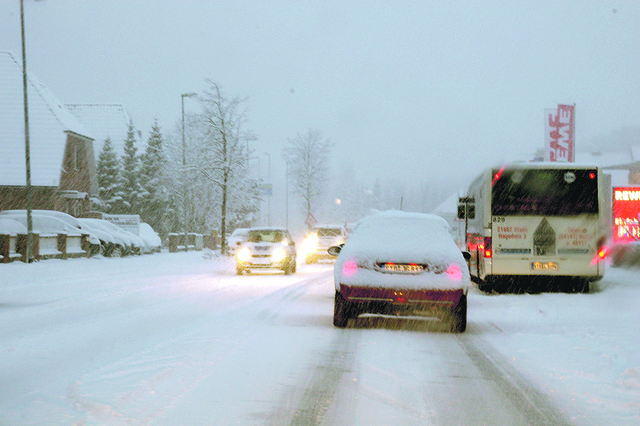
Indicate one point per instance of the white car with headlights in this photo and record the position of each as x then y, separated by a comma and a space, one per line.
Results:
319, 239
267, 248
398, 263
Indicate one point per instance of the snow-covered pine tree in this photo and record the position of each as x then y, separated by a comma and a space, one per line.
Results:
154, 195
132, 190
109, 177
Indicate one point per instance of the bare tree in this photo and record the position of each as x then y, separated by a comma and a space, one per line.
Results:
308, 158
221, 157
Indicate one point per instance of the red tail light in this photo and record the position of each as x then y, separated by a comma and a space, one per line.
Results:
487, 247
349, 268
602, 253
454, 272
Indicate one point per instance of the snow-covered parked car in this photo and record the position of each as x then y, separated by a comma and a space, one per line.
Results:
236, 238
400, 263
319, 239
267, 248
47, 224
152, 241
107, 242
119, 245
133, 243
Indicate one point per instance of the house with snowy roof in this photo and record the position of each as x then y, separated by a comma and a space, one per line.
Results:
62, 159
104, 121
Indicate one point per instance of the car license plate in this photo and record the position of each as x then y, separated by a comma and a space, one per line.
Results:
542, 266
395, 267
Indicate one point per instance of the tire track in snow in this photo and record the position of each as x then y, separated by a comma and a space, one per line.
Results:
536, 407
314, 399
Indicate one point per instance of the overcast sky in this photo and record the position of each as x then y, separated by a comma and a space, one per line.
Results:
414, 89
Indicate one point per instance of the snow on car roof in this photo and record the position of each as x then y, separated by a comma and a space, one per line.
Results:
395, 236
10, 226
44, 223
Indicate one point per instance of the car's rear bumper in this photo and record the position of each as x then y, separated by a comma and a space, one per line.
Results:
433, 297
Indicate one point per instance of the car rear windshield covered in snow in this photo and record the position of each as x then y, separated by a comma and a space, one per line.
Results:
544, 192
265, 236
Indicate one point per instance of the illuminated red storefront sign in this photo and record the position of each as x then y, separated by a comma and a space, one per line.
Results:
626, 207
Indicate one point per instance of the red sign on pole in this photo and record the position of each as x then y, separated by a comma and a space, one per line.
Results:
626, 207
559, 133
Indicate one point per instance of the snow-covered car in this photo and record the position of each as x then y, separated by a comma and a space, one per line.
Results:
400, 263
152, 241
267, 247
236, 239
48, 224
9, 226
107, 242
119, 247
133, 243
319, 239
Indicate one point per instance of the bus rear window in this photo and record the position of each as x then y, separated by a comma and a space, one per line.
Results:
544, 192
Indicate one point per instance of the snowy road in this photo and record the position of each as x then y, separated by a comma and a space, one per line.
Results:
176, 339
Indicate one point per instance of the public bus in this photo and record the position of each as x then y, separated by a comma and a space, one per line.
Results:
533, 224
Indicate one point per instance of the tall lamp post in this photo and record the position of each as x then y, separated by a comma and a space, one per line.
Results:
286, 197
184, 166
27, 153
269, 182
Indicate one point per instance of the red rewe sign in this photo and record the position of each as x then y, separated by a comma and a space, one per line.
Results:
626, 207
559, 134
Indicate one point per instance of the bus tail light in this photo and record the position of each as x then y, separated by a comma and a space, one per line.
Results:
487, 247
600, 255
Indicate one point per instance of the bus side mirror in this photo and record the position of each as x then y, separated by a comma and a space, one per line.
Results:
471, 211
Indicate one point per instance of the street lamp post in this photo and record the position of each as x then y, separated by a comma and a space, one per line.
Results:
27, 149
184, 167
269, 182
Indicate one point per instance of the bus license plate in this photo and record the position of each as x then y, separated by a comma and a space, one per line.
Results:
544, 266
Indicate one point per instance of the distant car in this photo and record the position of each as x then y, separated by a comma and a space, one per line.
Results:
319, 239
267, 247
400, 263
235, 240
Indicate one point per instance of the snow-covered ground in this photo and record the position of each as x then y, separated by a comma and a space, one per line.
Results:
177, 338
